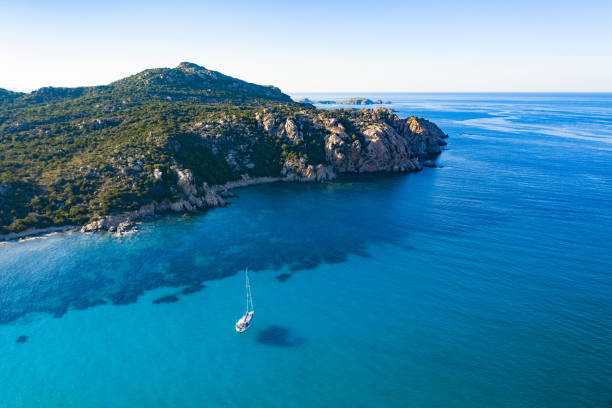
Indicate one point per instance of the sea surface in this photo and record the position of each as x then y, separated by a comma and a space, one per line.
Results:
486, 282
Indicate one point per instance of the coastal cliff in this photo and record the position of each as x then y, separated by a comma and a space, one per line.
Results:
177, 140
369, 141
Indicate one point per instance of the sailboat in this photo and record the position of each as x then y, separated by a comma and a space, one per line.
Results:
245, 321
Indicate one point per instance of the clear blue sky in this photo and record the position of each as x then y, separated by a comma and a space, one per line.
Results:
315, 45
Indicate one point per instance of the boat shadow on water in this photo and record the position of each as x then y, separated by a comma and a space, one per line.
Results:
279, 336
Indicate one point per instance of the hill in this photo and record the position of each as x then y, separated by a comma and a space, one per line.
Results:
170, 138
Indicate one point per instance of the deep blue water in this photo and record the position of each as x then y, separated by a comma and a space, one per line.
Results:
484, 283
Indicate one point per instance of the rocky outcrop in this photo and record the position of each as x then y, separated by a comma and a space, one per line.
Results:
97, 124
368, 141
299, 170
193, 198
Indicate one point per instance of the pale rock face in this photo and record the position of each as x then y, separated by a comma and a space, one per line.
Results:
387, 142
211, 197
120, 223
301, 171
386, 149
157, 175
267, 120
324, 173
95, 124
185, 180
192, 198
336, 151
191, 201
178, 206
292, 131
390, 143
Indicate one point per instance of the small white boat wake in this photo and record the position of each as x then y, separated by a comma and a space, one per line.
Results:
245, 321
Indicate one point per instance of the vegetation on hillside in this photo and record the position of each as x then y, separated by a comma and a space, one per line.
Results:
70, 154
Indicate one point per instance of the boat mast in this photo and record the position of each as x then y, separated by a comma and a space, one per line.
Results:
251, 298
247, 290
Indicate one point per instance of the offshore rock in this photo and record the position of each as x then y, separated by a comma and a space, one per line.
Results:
350, 101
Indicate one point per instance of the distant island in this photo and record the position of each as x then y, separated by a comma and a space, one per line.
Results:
176, 139
350, 101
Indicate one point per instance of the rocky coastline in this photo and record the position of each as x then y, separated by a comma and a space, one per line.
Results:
177, 140
126, 221
190, 203
389, 144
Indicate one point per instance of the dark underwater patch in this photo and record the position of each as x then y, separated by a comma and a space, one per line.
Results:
334, 257
166, 299
82, 304
277, 242
124, 298
22, 339
192, 289
283, 277
278, 336
306, 263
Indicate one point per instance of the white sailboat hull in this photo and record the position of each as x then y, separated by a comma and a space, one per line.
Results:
244, 322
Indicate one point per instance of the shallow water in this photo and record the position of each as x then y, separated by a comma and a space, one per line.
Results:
486, 282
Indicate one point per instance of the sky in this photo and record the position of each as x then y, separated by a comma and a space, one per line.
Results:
315, 46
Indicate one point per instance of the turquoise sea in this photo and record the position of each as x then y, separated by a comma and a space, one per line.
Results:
486, 282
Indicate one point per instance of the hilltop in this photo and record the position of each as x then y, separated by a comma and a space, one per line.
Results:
173, 139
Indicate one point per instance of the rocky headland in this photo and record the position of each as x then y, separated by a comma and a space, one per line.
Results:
388, 144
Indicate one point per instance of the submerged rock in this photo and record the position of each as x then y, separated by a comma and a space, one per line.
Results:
283, 277
166, 299
22, 339
192, 289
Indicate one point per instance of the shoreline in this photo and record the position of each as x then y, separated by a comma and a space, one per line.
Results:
123, 223
37, 232
220, 188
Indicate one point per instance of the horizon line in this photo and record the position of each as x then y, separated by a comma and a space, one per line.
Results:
27, 91
449, 92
